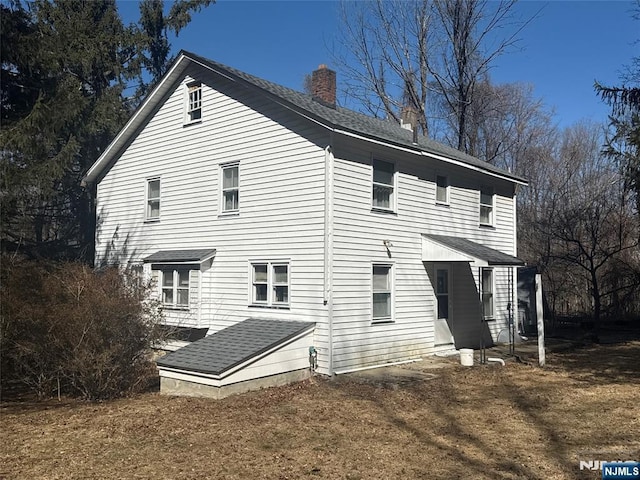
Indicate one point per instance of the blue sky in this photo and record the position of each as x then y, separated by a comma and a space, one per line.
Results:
562, 51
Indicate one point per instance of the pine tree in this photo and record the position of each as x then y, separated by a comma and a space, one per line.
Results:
65, 67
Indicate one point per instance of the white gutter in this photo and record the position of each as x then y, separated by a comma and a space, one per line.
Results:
431, 155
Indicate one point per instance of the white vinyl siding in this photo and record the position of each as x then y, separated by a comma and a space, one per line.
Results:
282, 198
359, 236
283, 179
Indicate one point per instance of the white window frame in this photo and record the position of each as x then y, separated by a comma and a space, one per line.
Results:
175, 287
392, 186
272, 285
149, 199
193, 103
490, 294
388, 291
446, 189
487, 192
223, 190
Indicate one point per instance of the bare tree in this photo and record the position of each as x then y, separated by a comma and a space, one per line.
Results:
505, 123
422, 53
584, 221
383, 55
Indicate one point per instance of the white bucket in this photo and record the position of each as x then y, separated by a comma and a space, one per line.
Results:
466, 357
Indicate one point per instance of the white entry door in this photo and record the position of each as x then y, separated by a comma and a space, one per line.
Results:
442, 290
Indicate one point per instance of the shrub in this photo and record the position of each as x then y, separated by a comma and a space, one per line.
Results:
68, 327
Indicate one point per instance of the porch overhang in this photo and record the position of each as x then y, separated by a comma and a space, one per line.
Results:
443, 248
181, 257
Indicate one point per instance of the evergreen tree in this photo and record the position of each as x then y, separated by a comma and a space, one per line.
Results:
65, 66
624, 143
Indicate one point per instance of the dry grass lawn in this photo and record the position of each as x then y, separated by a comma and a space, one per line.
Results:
487, 422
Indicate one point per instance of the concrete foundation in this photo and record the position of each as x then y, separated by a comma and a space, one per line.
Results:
184, 388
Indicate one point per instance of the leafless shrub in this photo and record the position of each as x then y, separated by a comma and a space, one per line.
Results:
66, 327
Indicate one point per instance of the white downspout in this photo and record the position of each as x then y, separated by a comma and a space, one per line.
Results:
514, 292
328, 245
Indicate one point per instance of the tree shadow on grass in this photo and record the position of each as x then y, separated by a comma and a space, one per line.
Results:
490, 422
600, 364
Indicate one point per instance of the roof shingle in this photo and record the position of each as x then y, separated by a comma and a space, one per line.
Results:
223, 350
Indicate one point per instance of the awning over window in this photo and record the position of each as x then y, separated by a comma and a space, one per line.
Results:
180, 257
442, 248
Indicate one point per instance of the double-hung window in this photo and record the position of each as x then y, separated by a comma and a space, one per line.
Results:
194, 102
486, 207
382, 293
175, 287
230, 195
152, 211
442, 190
383, 186
486, 289
270, 284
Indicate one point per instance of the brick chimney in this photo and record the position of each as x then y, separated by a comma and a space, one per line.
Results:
323, 86
409, 117
409, 120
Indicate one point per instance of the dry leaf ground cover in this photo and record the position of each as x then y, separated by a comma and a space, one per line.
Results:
486, 422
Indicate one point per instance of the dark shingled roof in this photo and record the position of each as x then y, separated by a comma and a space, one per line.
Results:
350, 120
217, 353
181, 256
491, 255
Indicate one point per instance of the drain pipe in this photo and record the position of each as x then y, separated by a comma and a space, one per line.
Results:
495, 360
328, 248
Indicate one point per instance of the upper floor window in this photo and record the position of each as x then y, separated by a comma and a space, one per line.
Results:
230, 188
270, 284
153, 199
486, 287
442, 189
382, 293
486, 207
194, 102
383, 188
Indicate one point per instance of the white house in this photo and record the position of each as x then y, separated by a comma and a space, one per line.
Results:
251, 201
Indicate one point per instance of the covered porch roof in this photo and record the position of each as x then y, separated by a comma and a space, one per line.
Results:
443, 248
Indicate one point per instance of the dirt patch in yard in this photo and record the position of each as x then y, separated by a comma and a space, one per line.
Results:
485, 422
